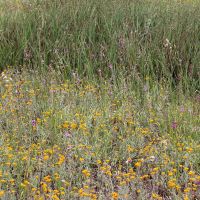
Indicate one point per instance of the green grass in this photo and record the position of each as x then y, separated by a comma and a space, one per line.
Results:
99, 100
86, 36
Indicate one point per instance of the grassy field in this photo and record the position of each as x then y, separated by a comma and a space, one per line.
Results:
99, 100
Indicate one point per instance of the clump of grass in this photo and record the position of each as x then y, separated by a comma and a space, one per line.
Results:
151, 38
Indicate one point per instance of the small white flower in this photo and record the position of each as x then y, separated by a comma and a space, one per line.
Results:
152, 158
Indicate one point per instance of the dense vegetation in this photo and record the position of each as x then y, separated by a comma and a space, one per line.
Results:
146, 38
99, 99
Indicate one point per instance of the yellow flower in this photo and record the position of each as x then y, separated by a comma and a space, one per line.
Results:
81, 159
171, 183
138, 191
38, 120
186, 190
170, 173
57, 176
55, 197
73, 125
83, 126
156, 196
130, 149
191, 173
47, 179
33, 189
137, 164
144, 177
144, 131
115, 195
186, 198
44, 187
86, 172
61, 159
189, 149
81, 191
186, 168
99, 162
66, 124
46, 157
2, 193
25, 183
178, 187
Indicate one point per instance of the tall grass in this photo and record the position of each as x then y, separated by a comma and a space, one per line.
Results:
99, 100
157, 39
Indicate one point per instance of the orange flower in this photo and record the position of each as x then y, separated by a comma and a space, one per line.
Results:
115, 195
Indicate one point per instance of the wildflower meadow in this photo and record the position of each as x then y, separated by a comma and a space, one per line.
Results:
99, 100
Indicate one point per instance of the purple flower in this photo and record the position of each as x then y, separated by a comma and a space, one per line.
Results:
67, 134
128, 161
197, 183
52, 91
174, 125
110, 66
33, 122
145, 88
182, 109
69, 147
